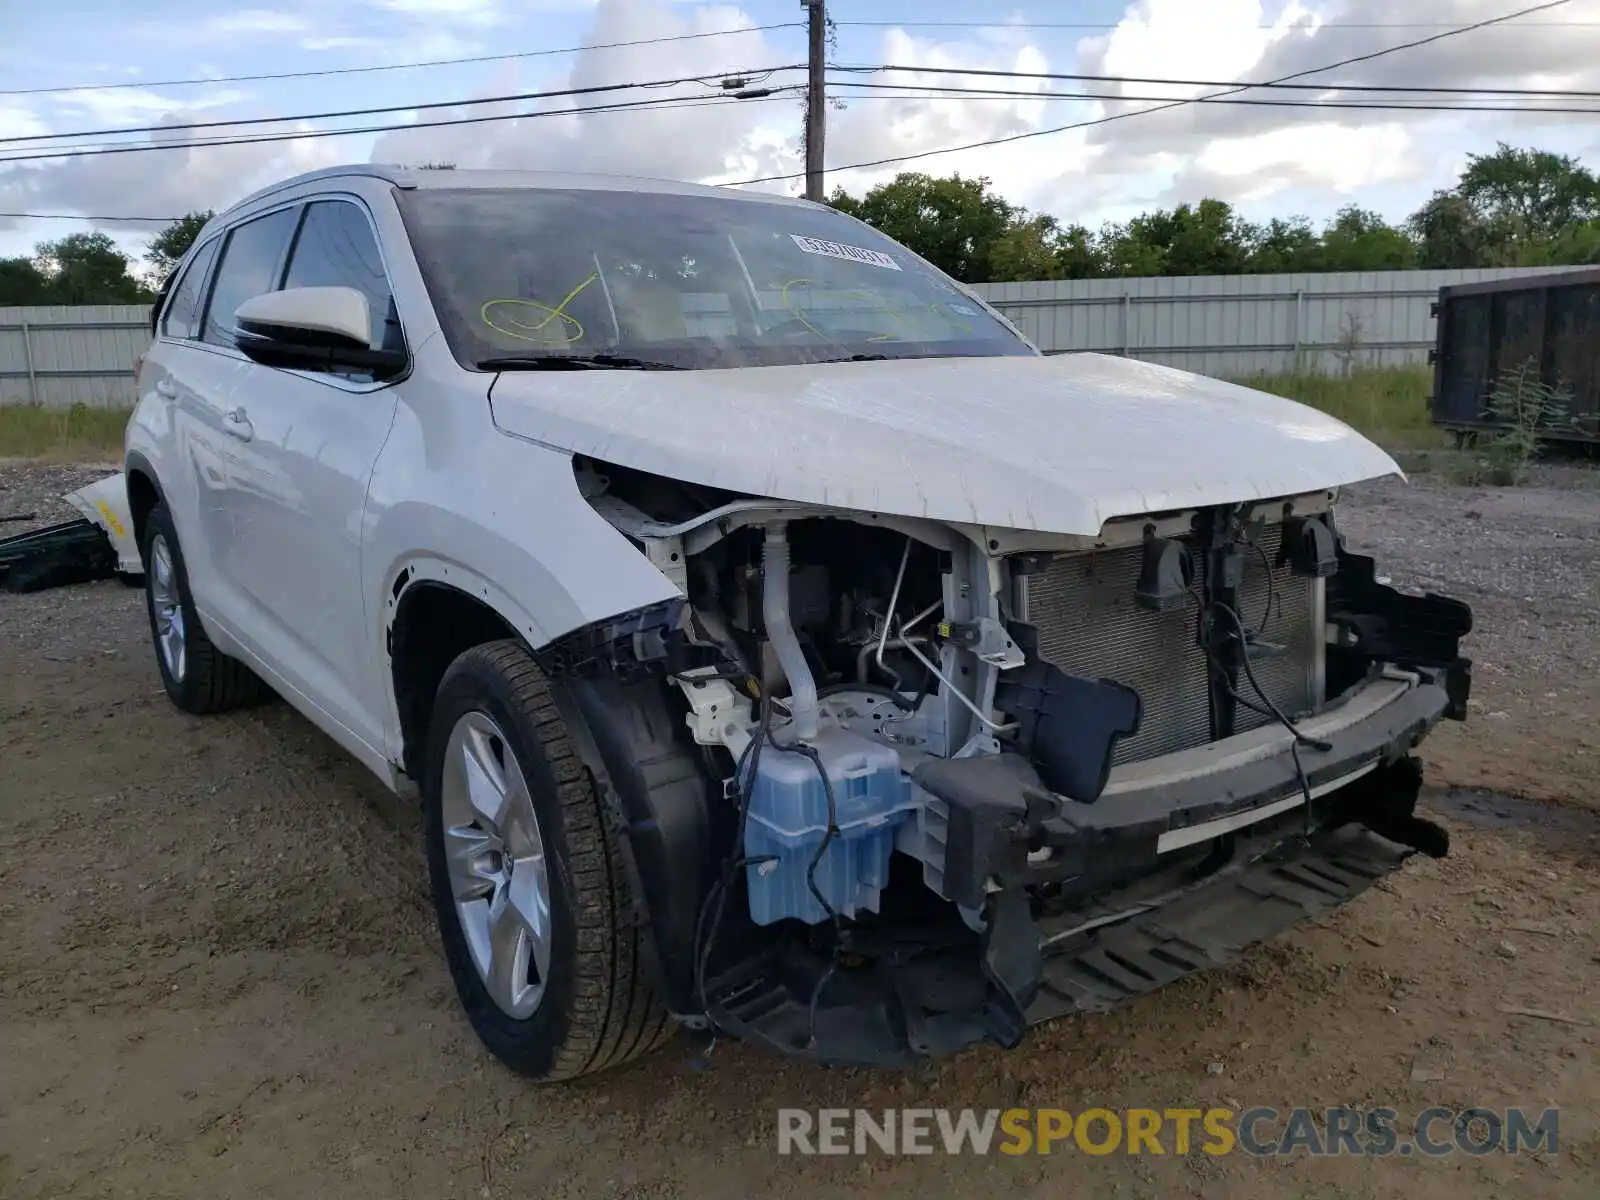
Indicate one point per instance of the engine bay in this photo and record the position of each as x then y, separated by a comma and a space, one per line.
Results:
908, 731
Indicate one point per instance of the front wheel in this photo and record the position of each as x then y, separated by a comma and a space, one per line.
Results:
528, 882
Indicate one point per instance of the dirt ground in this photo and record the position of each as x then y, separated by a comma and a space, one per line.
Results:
219, 975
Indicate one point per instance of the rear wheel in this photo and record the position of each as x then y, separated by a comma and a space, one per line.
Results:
528, 882
198, 677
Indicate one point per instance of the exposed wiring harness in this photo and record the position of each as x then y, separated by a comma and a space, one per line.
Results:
716, 897
1272, 710
1267, 706
832, 832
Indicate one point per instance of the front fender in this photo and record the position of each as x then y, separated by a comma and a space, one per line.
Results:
502, 521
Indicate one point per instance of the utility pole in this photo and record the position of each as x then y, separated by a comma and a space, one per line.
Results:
816, 99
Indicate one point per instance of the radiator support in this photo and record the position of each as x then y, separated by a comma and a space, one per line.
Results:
1089, 622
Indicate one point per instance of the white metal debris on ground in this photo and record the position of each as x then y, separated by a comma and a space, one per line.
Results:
105, 502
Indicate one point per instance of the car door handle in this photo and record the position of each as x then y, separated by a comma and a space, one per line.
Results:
165, 387
238, 424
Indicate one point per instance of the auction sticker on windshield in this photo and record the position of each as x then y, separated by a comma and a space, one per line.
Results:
858, 254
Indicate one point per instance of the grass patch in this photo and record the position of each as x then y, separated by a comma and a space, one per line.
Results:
76, 434
1387, 404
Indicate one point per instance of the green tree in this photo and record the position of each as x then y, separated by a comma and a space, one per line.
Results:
1125, 253
21, 282
1204, 239
1361, 240
1036, 246
173, 242
951, 222
1077, 253
1530, 194
1025, 249
1574, 245
1283, 246
1450, 232
87, 268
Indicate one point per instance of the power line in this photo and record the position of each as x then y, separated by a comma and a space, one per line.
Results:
650, 105
1554, 93
936, 92
408, 66
5, 216
255, 139
516, 97
1106, 120
1326, 25
773, 94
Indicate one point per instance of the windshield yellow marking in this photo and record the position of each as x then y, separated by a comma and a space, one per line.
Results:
556, 312
783, 295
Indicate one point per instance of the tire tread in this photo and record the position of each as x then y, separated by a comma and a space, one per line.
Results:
615, 1014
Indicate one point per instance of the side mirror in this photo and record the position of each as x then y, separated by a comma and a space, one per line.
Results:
313, 329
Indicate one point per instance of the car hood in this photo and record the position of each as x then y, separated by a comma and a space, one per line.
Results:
1057, 444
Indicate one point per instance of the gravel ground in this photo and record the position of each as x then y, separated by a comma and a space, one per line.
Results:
36, 488
1528, 561
219, 976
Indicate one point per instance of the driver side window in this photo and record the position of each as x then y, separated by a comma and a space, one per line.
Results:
249, 267
336, 248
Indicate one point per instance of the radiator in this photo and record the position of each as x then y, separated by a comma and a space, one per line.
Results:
1089, 624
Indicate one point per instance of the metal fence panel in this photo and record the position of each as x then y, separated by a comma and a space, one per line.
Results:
1230, 325
63, 355
1242, 325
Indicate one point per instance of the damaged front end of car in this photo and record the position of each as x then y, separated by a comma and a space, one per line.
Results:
893, 786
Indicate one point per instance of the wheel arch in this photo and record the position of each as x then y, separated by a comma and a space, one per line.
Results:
433, 616
654, 783
144, 493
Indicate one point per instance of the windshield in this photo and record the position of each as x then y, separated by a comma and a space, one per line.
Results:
681, 281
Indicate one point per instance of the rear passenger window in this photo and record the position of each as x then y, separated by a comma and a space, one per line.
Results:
336, 248
182, 318
249, 268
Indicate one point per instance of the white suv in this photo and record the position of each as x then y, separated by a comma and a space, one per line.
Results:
781, 646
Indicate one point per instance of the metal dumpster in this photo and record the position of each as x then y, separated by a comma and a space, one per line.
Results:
1485, 329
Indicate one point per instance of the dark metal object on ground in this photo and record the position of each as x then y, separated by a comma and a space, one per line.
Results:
55, 556
1487, 329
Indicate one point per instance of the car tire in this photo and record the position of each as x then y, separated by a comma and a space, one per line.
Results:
529, 886
198, 677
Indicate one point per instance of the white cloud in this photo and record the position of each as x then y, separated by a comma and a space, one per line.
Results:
684, 143
164, 182
474, 12
1179, 39
240, 27
125, 106
1346, 159
19, 122
1269, 155
255, 22
1274, 160
352, 42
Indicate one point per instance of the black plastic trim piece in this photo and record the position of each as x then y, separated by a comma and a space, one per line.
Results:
660, 799
1212, 926
996, 816
624, 645
1377, 623
1067, 725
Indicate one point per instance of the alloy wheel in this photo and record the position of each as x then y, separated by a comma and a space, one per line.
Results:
171, 640
499, 874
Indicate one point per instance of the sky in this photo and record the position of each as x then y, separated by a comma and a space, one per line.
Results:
115, 67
